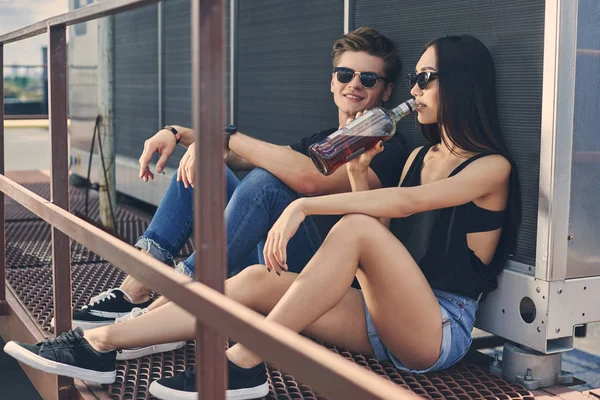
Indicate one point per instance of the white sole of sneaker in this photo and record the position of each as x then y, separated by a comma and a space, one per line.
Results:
256, 392
85, 325
165, 393
40, 363
130, 354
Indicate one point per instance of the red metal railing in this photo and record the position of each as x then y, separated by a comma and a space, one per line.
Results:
217, 315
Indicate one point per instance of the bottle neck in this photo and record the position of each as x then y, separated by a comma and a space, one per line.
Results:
400, 111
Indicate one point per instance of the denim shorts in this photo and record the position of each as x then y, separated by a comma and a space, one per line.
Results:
458, 317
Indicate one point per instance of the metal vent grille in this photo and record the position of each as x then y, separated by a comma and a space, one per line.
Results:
283, 69
135, 79
177, 69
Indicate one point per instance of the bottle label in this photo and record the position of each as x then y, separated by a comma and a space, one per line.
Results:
402, 110
351, 124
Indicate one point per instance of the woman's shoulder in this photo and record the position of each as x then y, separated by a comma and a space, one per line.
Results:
490, 164
496, 159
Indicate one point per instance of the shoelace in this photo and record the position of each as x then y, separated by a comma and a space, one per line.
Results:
70, 337
137, 311
100, 298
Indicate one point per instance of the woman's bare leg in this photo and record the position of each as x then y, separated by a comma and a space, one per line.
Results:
170, 323
254, 287
138, 292
161, 301
403, 307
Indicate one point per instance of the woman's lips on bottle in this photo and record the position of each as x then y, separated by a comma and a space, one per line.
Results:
420, 107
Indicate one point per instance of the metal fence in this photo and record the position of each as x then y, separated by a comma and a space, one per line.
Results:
217, 315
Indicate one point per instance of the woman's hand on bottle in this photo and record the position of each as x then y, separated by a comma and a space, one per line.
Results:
275, 251
361, 163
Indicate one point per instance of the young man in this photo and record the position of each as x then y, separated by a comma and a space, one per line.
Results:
366, 64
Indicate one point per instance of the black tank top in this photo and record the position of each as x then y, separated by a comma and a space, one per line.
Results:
437, 240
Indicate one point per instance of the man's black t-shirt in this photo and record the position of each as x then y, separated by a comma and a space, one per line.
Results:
387, 165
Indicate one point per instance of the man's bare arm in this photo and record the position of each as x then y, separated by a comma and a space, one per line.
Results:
294, 169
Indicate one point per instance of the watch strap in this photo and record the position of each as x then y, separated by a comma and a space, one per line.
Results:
175, 132
229, 130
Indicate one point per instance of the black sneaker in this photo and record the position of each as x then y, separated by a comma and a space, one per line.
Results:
67, 355
243, 383
104, 309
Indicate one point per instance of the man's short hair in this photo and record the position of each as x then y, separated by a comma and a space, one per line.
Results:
371, 42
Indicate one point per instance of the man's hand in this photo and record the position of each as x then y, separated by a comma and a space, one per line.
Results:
187, 164
163, 143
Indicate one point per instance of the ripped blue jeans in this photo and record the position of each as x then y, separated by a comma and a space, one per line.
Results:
253, 206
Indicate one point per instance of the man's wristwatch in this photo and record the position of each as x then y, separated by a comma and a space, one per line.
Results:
229, 130
175, 132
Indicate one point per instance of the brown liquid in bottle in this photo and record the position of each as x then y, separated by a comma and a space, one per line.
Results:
351, 147
360, 135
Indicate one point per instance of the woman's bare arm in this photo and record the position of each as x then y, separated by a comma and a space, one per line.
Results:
483, 177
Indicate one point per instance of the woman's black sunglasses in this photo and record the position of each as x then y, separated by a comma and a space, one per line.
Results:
367, 79
421, 79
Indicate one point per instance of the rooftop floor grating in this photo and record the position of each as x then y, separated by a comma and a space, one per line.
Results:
28, 258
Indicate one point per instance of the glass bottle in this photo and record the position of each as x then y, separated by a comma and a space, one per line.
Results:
361, 134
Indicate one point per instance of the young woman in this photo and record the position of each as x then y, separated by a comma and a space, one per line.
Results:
424, 253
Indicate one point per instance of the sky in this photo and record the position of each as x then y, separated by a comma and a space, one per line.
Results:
15, 14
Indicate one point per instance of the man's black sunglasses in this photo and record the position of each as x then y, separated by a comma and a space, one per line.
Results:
367, 79
421, 79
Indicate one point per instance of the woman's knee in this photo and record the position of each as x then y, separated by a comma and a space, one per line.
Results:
253, 273
250, 277
356, 224
248, 286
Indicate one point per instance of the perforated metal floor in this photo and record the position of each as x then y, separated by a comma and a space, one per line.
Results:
29, 255
28, 243
29, 238
16, 212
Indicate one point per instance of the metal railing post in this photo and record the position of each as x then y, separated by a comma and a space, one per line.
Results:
59, 188
3, 305
106, 130
208, 21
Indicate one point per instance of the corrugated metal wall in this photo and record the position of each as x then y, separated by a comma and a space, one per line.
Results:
177, 68
514, 33
136, 99
136, 79
283, 69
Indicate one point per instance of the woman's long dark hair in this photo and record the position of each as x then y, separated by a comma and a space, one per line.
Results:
467, 110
